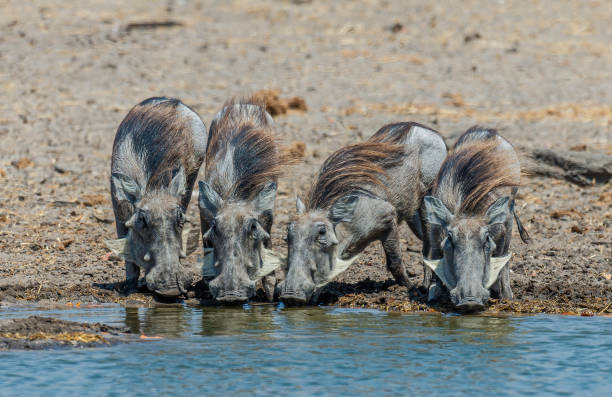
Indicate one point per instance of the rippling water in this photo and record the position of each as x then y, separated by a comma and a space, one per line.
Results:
264, 350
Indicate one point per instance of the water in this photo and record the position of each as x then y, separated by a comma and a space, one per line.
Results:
319, 351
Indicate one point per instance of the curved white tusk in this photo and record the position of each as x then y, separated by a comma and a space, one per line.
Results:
117, 247
340, 266
437, 266
270, 262
496, 264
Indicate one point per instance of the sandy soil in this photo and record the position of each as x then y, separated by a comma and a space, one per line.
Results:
540, 72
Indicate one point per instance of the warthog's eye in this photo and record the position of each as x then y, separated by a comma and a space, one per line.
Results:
449, 239
180, 218
142, 222
322, 231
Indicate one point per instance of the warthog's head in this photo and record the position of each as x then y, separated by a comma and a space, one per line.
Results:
312, 249
237, 234
154, 239
467, 268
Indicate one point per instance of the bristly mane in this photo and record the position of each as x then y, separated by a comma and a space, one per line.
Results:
158, 126
351, 168
395, 132
243, 132
471, 171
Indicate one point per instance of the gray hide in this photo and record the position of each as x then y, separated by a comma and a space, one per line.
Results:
468, 257
157, 152
237, 201
323, 242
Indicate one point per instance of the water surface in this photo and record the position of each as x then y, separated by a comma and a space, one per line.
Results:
266, 350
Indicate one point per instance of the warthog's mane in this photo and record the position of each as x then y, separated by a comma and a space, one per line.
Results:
395, 132
474, 168
242, 153
355, 167
161, 138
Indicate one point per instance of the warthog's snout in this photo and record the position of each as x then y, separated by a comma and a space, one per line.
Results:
168, 293
293, 298
470, 305
296, 296
167, 287
469, 298
230, 296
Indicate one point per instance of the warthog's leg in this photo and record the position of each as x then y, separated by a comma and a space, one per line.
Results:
501, 288
391, 245
431, 250
132, 272
376, 219
269, 283
123, 212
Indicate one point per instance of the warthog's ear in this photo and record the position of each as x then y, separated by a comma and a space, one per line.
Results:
209, 201
499, 211
299, 205
436, 211
343, 209
178, 183
264, 202
126, 188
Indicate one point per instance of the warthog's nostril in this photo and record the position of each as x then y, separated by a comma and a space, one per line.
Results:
470, 306
232, 297
168, 292
291, 297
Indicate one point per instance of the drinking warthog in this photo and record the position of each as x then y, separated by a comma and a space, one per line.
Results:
158, 150
369, 187
469, 217
237, 199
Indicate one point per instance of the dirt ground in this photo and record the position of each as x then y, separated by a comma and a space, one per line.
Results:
540, 72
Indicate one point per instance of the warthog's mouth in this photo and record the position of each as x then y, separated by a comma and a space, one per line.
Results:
470, 305
293, 298
232, 297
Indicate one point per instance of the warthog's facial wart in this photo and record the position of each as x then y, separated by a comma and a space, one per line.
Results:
496, 266
270, 262
238, 236
467, 267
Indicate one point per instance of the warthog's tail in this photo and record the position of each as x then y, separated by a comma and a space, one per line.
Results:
522, 231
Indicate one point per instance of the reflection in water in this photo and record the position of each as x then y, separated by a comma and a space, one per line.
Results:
162, 320
238, 320
470, 329
321, 351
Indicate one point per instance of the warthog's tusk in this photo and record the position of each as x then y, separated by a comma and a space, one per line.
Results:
271, 261
496, 264
117, 247
340, 265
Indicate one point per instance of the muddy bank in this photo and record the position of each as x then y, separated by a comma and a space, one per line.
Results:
36, 333
334, 74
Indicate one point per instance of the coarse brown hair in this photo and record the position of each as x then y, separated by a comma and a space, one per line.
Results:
352, 168
244, 127
157, 125
471, 171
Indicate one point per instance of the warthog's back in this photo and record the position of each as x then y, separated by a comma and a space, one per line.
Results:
242, 152
157, 136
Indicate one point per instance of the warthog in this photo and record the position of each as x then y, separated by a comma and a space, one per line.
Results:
237, 199
158, 150
370, 188
469, 217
